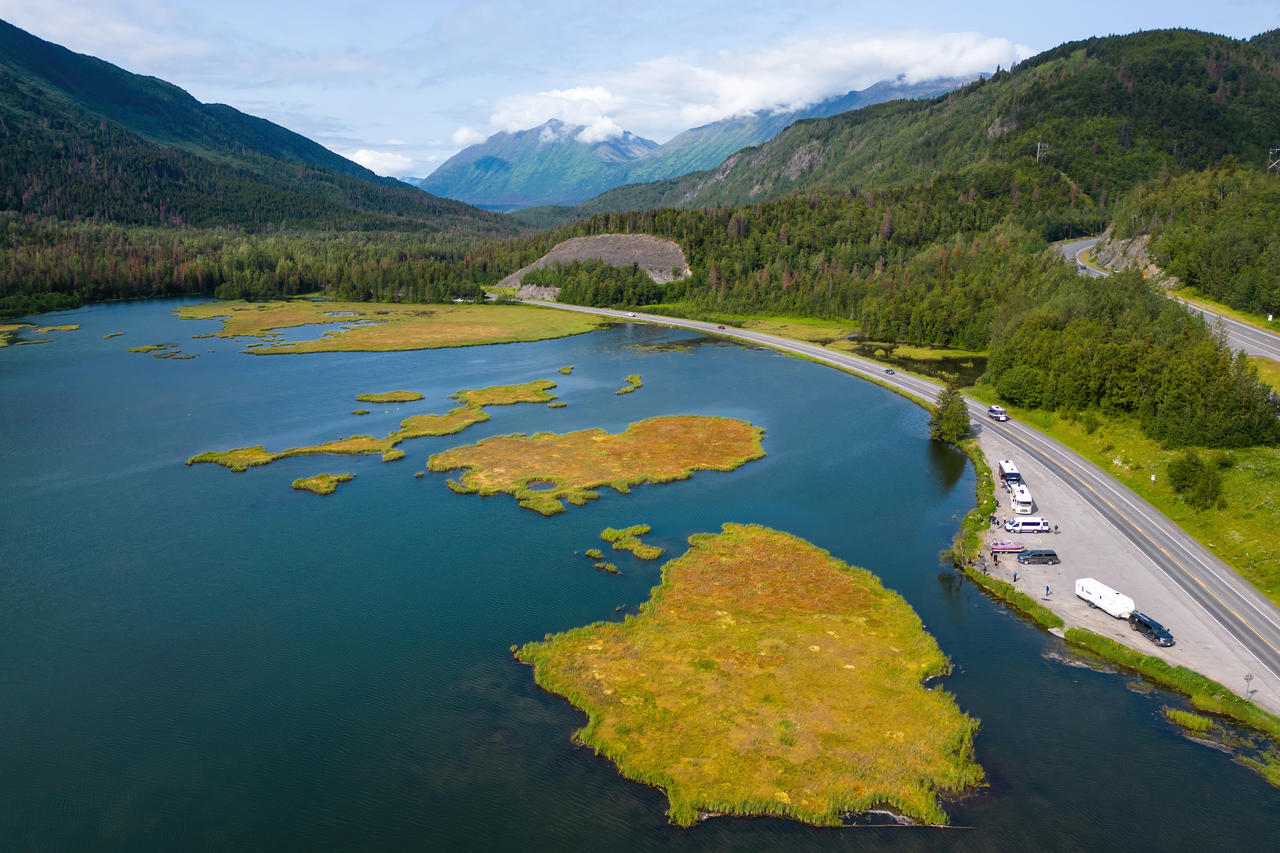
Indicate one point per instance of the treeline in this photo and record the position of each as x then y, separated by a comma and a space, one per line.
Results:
1071, 343
1217, 231
48, 265
962, 261
907, 263
597, 284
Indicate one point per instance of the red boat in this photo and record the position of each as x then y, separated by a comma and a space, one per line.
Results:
1006, 547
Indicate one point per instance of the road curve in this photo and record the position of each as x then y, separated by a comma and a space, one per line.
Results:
1243, 615
1241, 336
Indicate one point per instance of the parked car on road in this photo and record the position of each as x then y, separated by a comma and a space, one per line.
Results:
1150, 628
1039, 557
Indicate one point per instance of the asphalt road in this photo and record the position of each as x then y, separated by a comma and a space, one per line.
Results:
1230, 605
1241, 336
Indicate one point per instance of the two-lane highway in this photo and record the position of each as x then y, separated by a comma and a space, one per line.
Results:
1242, 336
1237, 611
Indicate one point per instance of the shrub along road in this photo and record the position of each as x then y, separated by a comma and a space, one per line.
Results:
1227, 629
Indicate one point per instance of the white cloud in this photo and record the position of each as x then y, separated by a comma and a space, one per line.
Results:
380, 162
464, 136
599, 130
581, 105
662, 96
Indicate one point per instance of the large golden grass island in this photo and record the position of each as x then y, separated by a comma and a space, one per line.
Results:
543, 469
766, 677
366, 327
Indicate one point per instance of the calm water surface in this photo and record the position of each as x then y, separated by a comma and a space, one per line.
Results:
195, 659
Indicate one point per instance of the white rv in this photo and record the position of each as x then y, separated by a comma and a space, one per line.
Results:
1020, 499
1009, 472
1103, 597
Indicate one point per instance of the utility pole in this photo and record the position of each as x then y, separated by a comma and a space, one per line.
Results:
1042, 148
1273, 161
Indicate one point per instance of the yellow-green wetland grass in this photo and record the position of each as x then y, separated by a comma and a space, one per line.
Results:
366, 328
628, 539
9, 330
766, 677
633, 382
414, 426
390, 397
543, 469
322, 484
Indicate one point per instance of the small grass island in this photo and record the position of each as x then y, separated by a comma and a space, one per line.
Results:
544, 469
415, 426
322, 484
766, 677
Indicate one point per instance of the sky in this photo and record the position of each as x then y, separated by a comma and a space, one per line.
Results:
401, 86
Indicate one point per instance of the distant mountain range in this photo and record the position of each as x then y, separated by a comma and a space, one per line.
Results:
1110, 113
552, 165
83, 139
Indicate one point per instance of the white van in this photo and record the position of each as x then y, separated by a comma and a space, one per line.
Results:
1031, 524
1009, 472
1020, 499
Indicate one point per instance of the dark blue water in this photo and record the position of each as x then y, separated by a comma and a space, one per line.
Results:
191, 658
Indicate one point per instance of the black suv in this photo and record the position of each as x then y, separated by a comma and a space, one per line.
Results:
1150, 628
1039, 557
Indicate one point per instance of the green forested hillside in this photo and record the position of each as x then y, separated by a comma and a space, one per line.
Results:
114, 185
1217, 231
1113, 111
83, 139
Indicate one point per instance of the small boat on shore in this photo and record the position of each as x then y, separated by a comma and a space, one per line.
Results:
1006, 547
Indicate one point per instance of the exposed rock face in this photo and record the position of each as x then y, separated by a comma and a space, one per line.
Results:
1124, 254
658, 257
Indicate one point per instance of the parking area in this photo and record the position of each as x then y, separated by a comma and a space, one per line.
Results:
1089, 547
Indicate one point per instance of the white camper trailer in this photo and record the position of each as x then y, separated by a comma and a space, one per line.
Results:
1103, 597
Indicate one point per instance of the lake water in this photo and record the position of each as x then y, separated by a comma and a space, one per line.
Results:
196, 659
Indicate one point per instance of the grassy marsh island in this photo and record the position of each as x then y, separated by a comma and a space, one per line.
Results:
9, 330
385, 327
506, 395
322, 484
390, 397
414, 426
566, 370
633, 382
149, 348
628, 539
766, 677
109, 335
570, 466
68, 327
